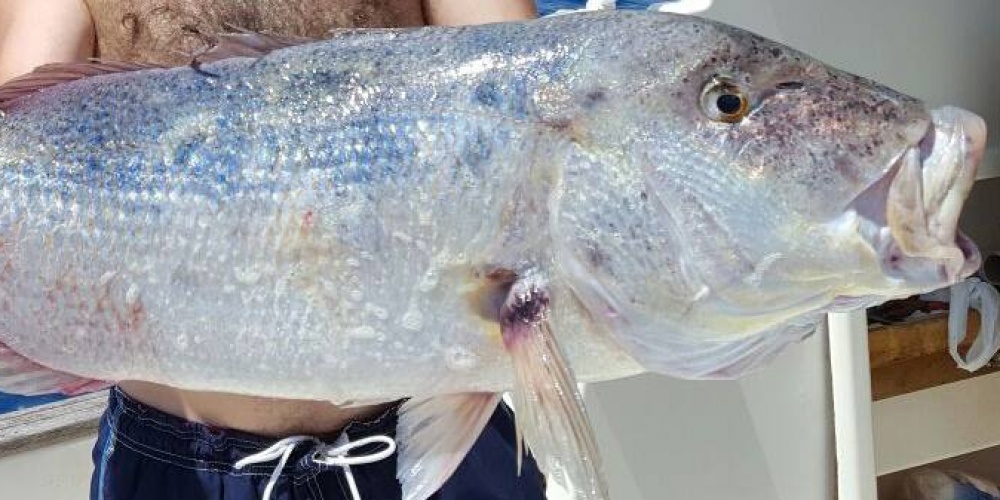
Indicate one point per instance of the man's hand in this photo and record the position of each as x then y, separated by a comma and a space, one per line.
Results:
458, 12
33, 33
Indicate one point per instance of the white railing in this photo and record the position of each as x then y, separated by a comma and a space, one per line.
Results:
852, 405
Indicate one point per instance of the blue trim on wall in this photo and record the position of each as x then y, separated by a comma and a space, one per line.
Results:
546, 7
11, 402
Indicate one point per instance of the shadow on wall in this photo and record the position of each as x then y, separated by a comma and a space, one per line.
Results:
981, 215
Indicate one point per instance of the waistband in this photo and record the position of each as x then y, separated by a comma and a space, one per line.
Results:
168, 438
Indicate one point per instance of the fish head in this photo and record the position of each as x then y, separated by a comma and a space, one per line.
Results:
751, 185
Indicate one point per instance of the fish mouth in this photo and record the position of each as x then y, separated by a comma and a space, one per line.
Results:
910, 216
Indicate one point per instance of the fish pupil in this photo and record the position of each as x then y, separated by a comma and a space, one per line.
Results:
729, 104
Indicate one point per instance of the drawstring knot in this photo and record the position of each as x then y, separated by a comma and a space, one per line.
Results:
337, 454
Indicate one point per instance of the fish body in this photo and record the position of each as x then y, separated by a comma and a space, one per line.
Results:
412, 213
321, 223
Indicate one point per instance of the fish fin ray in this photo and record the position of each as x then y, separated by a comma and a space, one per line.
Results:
435, 434
550, 415
55, 74
19, 375
247, 43
712, 358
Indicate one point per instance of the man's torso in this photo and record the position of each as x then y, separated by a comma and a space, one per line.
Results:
169, 31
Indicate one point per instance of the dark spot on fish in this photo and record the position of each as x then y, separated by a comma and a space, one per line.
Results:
501, 275
776, 52
486, 93
560, 124
475, 153
594, 98
643, 196
529, 309
596, 257
196, 66
790, 85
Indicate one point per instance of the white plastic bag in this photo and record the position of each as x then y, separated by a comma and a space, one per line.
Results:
682, 6
985, 299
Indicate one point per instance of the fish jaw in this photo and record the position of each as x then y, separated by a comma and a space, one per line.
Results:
910, 217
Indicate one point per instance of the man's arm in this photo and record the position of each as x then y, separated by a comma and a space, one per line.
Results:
33, 33
457, 12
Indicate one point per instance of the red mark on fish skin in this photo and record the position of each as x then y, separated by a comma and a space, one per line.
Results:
96, 305
308, 220
128, 318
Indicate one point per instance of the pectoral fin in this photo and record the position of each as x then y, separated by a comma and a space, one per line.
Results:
434, 435
548, 407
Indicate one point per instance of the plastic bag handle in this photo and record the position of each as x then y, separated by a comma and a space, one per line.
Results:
985, 299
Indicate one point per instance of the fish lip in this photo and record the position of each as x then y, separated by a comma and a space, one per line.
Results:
915, 207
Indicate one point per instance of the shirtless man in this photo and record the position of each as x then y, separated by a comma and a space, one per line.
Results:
157, 442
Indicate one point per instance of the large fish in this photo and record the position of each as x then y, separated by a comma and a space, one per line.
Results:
444, 214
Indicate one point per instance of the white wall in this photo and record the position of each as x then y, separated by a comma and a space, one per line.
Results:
981, 215
60, 472
766, 437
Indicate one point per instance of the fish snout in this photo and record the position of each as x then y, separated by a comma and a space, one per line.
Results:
932, 180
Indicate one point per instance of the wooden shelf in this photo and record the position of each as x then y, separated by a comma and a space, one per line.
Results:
915, 429
914, 356
926, 408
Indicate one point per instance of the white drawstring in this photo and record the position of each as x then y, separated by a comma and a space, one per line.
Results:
337, 454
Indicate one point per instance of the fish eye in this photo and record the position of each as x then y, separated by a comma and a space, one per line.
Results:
723, 101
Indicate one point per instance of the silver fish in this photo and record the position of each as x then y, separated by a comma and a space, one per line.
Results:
444, 214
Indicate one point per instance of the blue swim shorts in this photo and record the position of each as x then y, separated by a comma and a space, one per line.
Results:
145, 454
